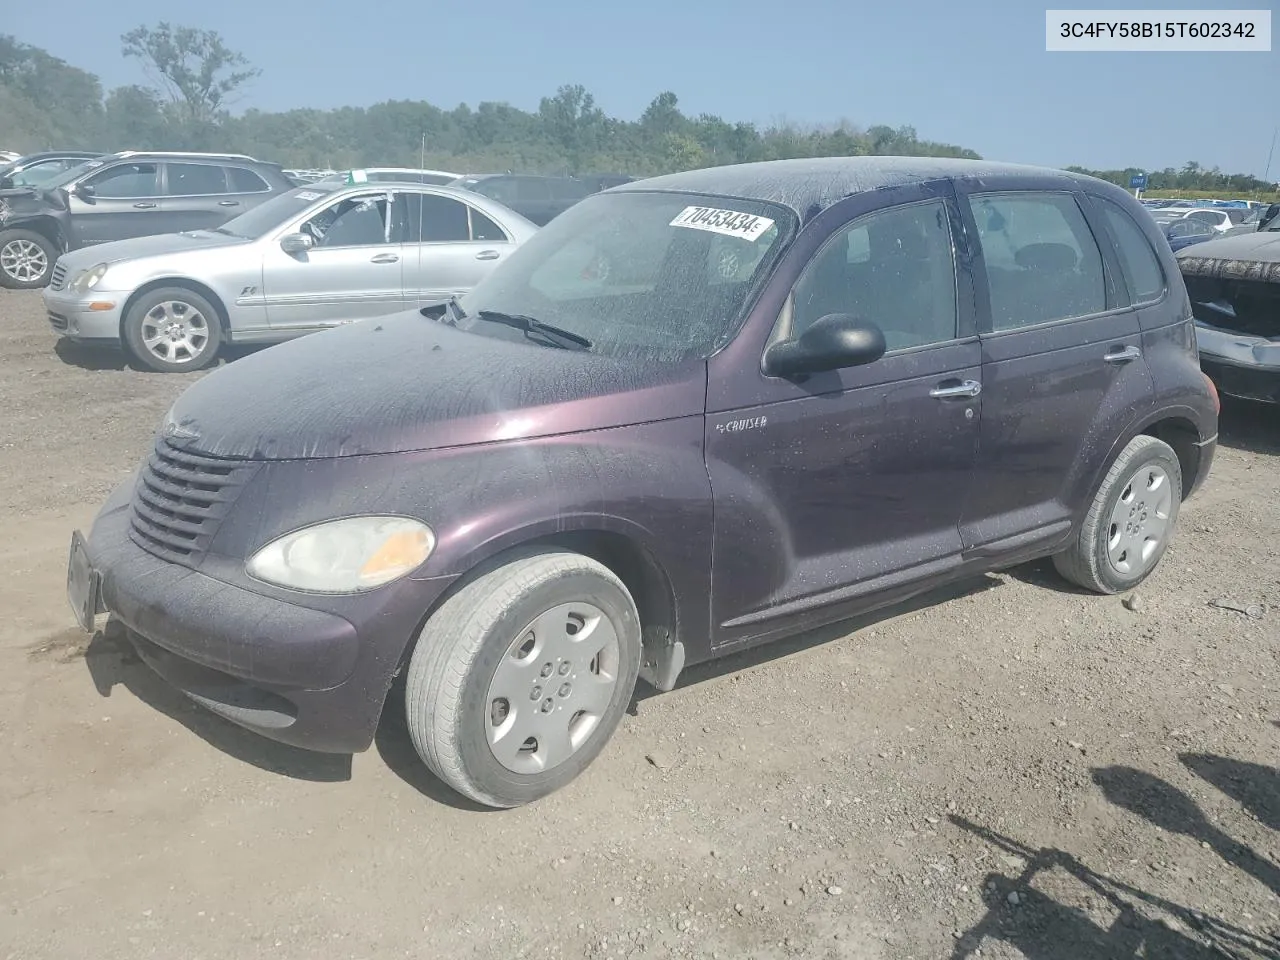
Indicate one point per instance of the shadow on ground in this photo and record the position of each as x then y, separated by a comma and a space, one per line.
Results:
785, 647
108, 357
398, 753
1254, 427
1120, 920
112, 662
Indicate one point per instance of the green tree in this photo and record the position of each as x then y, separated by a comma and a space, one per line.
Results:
198, 71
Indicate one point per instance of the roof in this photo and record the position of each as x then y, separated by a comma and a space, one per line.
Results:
810, 185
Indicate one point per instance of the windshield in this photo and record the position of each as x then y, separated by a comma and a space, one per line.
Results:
643, 276
269, 214
62, 179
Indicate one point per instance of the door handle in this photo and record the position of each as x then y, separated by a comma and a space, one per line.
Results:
488, 255
145, 206
954, 389
385, 258
228, 203
1122, 354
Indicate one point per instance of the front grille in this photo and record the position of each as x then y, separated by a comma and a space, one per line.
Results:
59, 278
180, 500
58, 321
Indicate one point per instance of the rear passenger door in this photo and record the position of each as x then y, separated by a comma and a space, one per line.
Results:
196, 197
451, 246
1061, 359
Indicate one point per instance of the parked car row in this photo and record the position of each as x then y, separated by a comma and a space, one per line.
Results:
688, 416
315, 257
58, 202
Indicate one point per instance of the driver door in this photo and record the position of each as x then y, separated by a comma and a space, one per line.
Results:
126, 202
837, 489
354, 271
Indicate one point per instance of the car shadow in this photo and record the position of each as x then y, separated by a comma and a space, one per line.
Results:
1042, 573
1164, 805
112, 662
787, 646
1251, 427
1040, 927
397, 751
95, 357
88, 357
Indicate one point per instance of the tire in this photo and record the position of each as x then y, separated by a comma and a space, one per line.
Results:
469, 652
1127, 497
189, 316
21, 252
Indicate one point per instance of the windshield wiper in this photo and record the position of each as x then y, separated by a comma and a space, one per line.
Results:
553, 336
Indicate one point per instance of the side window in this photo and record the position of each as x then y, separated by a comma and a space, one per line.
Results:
195, 180
1138, 262
352, 222
1042, 261
442, 219
482, 228
894, 268
532, 190
246, 181
39, 172
125, 181
502, 189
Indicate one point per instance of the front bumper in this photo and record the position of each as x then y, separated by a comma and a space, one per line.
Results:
311, 678
1240, 365
71, 316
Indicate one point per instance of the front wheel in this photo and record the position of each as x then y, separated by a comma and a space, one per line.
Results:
26, 259
173, 330
1130, 522
520, 678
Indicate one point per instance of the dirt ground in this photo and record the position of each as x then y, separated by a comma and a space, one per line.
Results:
1014, 769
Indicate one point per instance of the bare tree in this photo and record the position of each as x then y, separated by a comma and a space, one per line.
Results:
197, 70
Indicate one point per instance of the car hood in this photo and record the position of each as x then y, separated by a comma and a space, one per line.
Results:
1251, 256
407, 383
157, 245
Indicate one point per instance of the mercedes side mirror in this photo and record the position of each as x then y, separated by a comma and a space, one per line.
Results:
292, 243
834, 342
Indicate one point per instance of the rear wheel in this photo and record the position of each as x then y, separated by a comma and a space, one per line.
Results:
26, 259
521, 677
173, 330
1130, 522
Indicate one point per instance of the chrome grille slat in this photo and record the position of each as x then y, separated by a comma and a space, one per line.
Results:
180, 500
59, 276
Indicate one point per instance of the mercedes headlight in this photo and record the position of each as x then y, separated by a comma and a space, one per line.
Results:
344, 556
86, 280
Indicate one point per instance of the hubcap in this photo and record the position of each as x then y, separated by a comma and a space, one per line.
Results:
174, 331
1140, 521
23, 260
552, 688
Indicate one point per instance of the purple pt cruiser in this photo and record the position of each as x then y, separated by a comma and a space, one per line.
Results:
692, 414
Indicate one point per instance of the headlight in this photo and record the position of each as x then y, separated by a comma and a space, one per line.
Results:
344, 556
86, 280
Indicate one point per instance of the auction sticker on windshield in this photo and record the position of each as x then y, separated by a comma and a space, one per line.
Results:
730, 223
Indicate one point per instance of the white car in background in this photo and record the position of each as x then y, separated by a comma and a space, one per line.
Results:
316, 257
1216, 217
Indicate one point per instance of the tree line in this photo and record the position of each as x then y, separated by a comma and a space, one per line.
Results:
196, 79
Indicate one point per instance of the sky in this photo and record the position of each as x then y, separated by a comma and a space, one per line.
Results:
976, 76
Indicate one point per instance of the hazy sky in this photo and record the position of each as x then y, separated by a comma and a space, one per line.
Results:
973, 75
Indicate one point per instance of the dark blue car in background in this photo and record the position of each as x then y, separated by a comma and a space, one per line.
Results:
1185, 231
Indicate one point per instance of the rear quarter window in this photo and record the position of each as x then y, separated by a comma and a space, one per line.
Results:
1138, 262
243, 180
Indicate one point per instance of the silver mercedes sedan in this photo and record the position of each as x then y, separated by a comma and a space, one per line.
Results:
319, 256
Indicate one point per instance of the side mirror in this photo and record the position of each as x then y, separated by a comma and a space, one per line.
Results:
85, 191
292, 243
6, 183
834, 342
